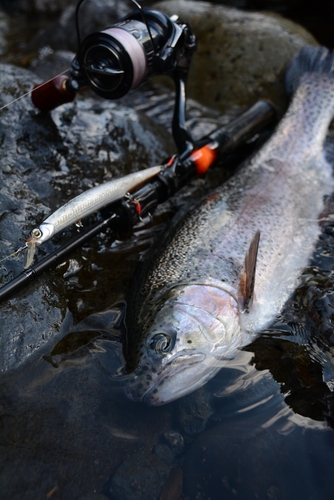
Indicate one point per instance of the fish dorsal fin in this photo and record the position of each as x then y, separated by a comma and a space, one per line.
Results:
248, 274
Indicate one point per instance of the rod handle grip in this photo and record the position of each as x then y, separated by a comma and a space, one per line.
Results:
52, 94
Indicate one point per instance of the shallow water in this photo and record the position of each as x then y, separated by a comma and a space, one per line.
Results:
262, 428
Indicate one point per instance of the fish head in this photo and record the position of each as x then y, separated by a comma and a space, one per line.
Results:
185, 341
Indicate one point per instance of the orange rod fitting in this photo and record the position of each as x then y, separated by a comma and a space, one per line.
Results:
203, 158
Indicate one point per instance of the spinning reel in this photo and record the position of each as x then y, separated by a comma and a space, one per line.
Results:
120, 58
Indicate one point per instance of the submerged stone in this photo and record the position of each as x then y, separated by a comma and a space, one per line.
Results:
140, 477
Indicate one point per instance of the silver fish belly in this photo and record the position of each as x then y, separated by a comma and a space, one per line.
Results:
186, 316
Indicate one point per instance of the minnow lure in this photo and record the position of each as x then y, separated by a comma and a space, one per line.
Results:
83, 205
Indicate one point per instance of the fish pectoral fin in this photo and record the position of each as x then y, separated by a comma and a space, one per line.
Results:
107, 322
247, 280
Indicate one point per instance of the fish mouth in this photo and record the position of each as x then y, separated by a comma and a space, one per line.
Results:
181, 362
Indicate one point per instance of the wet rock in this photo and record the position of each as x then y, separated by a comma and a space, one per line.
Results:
36, 317
194, 411
241, 56
164, 453
139, 478
94, 16
46, 160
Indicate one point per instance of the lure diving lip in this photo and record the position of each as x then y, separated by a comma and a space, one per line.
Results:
85, 204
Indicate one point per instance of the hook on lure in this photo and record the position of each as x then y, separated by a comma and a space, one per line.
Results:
35, 238
32, 242
31, 246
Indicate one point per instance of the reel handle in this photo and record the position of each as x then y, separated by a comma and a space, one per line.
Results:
57, 91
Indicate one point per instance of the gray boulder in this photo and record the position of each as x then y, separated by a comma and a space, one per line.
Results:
93, 16
241, 55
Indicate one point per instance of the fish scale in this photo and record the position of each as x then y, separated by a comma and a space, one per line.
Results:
190, 301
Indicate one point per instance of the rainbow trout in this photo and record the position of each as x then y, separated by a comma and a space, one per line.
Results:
230, 266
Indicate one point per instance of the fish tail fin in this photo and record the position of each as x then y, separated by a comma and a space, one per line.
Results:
309, 60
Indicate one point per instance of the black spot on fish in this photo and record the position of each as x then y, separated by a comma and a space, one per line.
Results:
189, 341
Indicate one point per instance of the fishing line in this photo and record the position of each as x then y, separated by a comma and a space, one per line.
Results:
146, 23
35, 88
14, 253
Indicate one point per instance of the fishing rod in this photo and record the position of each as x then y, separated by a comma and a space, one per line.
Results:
126, 212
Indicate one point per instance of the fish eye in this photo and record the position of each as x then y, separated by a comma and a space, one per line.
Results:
161, 343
